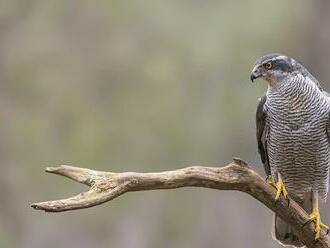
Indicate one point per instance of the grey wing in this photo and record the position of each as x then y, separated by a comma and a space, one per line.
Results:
262, 134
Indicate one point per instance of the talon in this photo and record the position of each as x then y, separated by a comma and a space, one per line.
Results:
271, 180
279, 186
316, 218
306, 223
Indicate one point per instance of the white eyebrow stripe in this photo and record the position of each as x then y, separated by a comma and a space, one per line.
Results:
278, 57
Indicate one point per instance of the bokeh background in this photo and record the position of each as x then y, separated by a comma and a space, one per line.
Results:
140, 86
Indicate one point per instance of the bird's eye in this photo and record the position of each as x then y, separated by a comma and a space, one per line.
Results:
268, 65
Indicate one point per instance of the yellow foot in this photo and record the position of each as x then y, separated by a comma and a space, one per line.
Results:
316, 218
279, 186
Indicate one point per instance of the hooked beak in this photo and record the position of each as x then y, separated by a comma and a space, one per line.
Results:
255, 73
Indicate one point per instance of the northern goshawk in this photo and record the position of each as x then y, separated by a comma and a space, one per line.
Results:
293, 128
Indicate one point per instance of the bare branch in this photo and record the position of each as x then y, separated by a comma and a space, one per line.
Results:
105, 186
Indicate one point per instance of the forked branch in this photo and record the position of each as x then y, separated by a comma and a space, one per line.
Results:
105, 186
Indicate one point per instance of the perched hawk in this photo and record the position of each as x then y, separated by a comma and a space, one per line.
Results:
293, 128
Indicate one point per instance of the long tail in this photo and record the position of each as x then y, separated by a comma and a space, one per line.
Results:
283, 233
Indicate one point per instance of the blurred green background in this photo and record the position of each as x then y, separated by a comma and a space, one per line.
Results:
140, 86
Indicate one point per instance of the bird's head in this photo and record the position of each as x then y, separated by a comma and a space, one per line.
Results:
273, 68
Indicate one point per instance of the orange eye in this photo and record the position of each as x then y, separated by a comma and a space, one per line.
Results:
268, 65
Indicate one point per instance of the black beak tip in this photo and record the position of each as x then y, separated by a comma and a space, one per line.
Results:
253, 77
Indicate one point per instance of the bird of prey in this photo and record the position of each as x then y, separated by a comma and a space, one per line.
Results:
293, 128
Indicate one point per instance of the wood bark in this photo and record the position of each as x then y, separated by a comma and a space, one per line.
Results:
105, 186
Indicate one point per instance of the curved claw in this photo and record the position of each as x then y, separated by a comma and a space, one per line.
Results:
279, 186
316, 218
269, 178
288, 201
306, 223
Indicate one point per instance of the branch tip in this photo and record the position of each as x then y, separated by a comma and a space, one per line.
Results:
239, 161
51, 169
35, 206
38, 206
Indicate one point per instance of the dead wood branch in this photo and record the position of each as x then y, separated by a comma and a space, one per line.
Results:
105, 186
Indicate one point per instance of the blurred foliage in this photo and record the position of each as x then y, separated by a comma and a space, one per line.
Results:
144, 86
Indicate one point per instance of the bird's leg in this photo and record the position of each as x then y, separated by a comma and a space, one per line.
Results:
315, 216
278, 185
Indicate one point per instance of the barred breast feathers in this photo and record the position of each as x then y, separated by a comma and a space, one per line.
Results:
298, 146
298, 93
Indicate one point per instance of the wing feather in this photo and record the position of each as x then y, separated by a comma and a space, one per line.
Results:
262, 134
